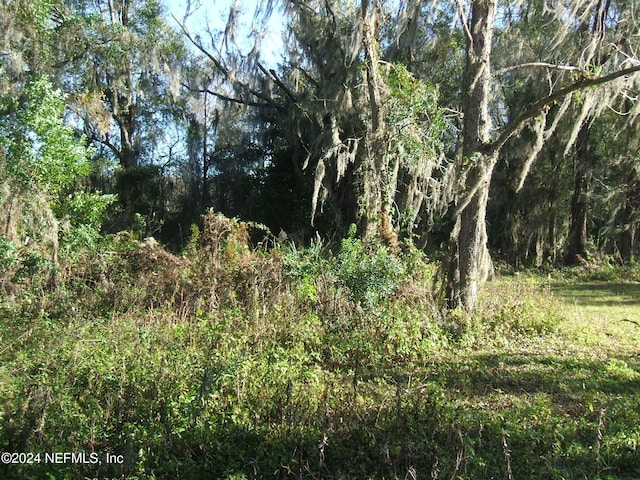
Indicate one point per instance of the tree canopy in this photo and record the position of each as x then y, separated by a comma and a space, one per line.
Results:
469, 128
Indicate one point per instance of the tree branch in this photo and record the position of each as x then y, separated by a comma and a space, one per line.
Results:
197, 44
104, 141
465, 23
538, 107
226, 98
267, 100
568, 68
274, 75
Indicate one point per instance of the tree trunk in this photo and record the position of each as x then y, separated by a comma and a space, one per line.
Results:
553, 210
578, 234
472, 260
124, 114
630, 219
378, 190
627, 238
474, 264
129, 152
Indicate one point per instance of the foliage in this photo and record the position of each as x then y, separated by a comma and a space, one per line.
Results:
370, 274
415, 119
84, 213
27, 46
42, 153
45, 169
240, 363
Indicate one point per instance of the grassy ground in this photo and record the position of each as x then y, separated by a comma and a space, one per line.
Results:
566, 404
604, 316
232, 364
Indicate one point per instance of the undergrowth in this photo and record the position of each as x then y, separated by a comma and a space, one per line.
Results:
231, 362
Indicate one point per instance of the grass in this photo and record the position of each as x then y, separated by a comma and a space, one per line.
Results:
603, 315
232, 364
566, 403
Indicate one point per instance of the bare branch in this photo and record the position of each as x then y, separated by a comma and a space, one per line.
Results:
465, 23
568, 68
267, 101
274, 75
227, 98
199, 46
102, 139
629, 58
307, 75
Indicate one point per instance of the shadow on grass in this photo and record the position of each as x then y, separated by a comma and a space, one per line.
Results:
600, 294
552, 375
472, 416
562, 417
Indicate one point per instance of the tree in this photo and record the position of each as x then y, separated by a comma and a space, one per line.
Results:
617, 145
384, 128
126, 63
528, 222
353, 125
344, 97
44, 164
45, 168
480, 147
26, 46
472, 256
120, 63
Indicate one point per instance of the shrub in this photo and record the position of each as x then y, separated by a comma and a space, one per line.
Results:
8, 253
369, 273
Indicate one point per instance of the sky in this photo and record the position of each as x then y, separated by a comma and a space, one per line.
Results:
214, 14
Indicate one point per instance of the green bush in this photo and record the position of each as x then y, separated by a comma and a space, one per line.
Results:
43, 154
83, 213
9, 253
305, 266
369, 273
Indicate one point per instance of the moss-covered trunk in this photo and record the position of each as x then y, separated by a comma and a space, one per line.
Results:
472, 259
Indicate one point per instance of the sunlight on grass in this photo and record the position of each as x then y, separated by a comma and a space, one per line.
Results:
601, 315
